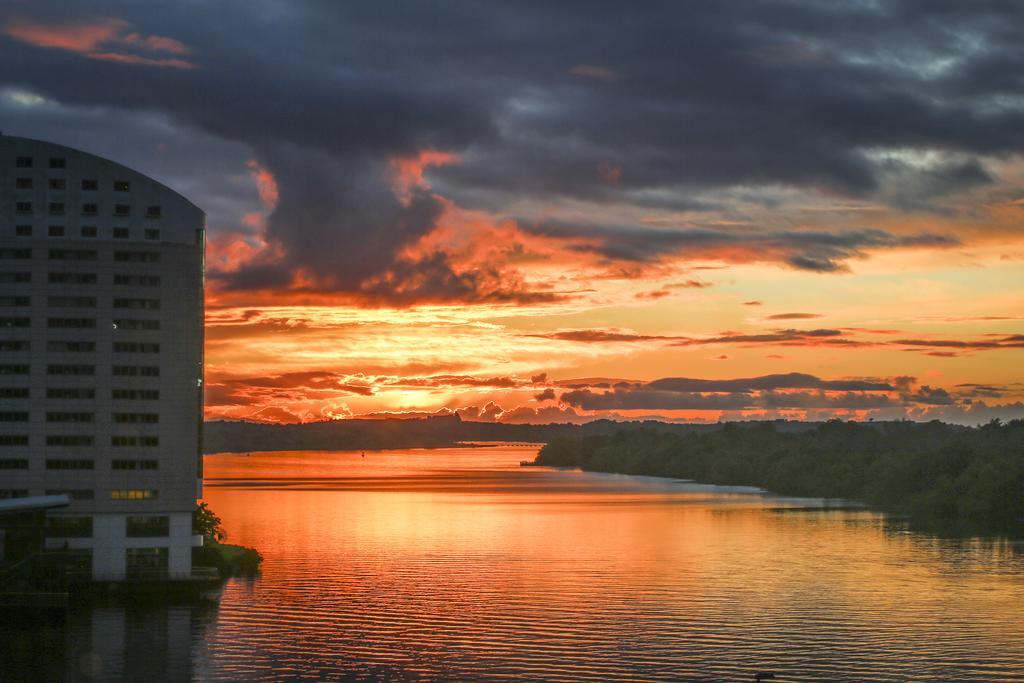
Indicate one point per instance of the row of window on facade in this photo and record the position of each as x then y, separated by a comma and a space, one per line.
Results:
23, 253
79, 346
87, 231
65, 416
81, 323
86, 494
73, 278
81, 369
88, 184
82, 393
80, 464
82, 440
80, 526
88, 209
80, 302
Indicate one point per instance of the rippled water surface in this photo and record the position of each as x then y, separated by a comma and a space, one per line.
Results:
461, 565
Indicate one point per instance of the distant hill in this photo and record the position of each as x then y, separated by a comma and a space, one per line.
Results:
431, 432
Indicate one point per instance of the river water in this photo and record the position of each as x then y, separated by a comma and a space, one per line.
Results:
457, 564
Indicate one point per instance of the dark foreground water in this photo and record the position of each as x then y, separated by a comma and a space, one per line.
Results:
460, 565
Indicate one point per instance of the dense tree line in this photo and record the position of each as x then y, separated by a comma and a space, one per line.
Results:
430, 432
939, 475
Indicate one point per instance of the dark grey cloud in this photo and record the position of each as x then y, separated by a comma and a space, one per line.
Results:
818, 251
793, 380
785, 337
782, 391
599, 102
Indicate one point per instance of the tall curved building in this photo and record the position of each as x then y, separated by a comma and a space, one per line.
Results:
101, 357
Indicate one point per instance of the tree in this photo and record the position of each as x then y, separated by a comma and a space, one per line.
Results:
205, 522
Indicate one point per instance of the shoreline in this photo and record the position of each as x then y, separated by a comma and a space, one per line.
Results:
950, 482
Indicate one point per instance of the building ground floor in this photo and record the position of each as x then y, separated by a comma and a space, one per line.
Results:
104, 546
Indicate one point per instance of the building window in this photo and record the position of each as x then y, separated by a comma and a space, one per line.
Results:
136, 324
146, 563
13, 416
14, 369
72, 254
90, 185
136, 370
72, 278
70, 369
71, 346
56, 208
122, 186
129, 441
133, 280
13, 493
69, 527
71, 323
121, 233
133, 418
148, 526
57, 183
70, 440
14, 345
137, 256
71, 301
70, 417
65, 393
15, 277
13, 439
23, 162
134, 464
122, 210
141, 304
57, 162
15, 322
56, 231
15, 301
13, 392
90, 209
73, 494
23, 207
74, 464
136, 347
23, 230
20, 254
135, 394
133, 494
13, 463
88, 231
152, 212
23, 183
152, 234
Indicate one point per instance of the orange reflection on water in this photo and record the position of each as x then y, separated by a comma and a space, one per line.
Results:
459, 563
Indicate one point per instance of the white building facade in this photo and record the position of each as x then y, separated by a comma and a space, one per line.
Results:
101, 356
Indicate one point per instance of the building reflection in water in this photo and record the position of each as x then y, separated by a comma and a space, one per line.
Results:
104, 644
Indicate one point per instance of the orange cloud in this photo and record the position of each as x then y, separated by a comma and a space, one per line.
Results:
226, 251
265, 183
407, 172
99, 39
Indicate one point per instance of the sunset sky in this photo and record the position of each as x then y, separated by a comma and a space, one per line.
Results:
550, 212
